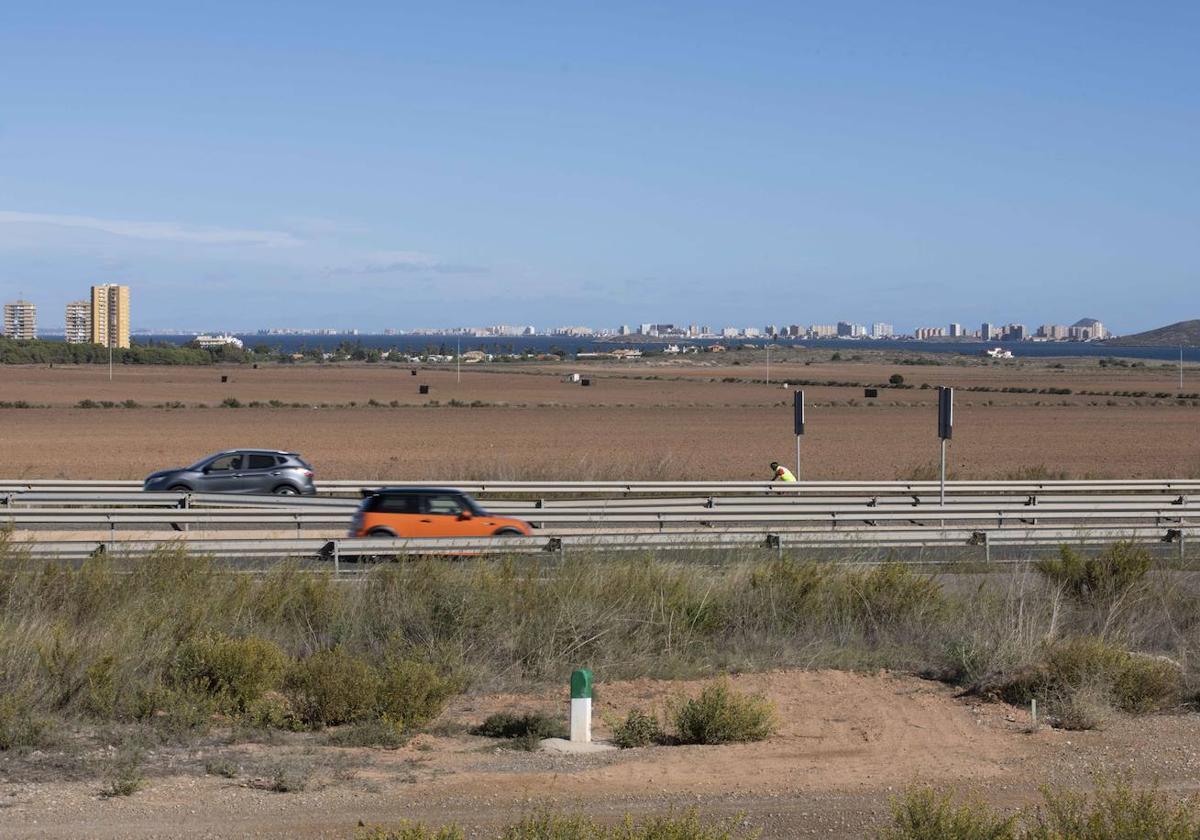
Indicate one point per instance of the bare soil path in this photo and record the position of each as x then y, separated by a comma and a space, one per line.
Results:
847, 743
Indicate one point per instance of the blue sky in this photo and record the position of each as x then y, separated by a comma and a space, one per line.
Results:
395, 165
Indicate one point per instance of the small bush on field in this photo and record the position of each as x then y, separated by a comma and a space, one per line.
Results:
179, 713
379, 732
1080, 709
887, 595
638, 729
721, 715
926, 814
332, 687
549, 825
20, 729
1113, 812
289, 778
222, 767
236, 671
414, 693
1095, 669
523, 731
410, 831
231, 402
1087, 579
124, 773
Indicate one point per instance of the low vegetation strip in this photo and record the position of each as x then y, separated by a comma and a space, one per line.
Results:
185, 642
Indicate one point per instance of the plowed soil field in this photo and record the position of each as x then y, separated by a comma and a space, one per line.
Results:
681, 420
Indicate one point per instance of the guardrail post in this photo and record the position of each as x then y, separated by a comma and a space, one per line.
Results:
296, 516
336, 556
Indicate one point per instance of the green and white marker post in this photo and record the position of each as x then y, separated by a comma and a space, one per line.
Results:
581, 706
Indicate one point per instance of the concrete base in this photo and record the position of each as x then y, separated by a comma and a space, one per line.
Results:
562, 745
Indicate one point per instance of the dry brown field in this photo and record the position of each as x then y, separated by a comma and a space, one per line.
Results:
671, 420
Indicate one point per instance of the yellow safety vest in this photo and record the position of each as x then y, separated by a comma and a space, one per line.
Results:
784, 474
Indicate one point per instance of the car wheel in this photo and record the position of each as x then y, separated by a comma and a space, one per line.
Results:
179, 488
508, 532
286, 490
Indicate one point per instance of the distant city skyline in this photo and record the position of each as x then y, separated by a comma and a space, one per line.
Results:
399, 165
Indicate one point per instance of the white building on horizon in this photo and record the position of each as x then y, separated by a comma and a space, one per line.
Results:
212, 342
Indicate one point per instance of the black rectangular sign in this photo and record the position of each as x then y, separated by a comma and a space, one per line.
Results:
798, 409
945, 412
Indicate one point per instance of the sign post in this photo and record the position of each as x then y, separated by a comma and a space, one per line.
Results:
945, 429
581, 706
798, 423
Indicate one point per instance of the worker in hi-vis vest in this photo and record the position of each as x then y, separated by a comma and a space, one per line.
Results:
782, 473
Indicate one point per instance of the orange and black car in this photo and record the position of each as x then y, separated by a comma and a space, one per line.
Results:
429, 512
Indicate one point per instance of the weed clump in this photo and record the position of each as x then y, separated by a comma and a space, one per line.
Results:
1108, 575
523, 732
332, 687
638, 729
721, 715
1079, 677
235, 671
926, 814
1115, 811
552, 825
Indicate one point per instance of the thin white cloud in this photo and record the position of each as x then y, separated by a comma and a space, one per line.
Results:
155, 231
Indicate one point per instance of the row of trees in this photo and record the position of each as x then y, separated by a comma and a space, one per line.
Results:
39, 351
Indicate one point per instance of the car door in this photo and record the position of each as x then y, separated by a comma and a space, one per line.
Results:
440, 517
221, 474
261, 473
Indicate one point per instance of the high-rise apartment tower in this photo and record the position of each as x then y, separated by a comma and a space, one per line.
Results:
110, 315
20, 320
79, 322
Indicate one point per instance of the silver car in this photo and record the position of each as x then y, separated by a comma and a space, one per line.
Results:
240, 471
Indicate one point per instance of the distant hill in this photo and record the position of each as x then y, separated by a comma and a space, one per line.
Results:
1185, 333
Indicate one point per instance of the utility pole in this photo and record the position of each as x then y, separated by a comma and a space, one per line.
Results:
110, 360
768, 364
458, 360
1181, 368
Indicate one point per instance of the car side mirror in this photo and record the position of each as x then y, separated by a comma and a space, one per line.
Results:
464, 515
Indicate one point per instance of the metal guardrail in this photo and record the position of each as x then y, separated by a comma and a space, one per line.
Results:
577, 488
638, 515
337, 552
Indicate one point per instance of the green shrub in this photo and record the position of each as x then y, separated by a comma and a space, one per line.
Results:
1087, 579
1135, 684
1113, 812
410, 831
413, 693
231, 402
124, 773
20, 729
180, 712
222, 767
524, 732
890, 594
926, 814
721, 715
637, 730
376, 732
237, 671
896, 379
549, 825
332, 687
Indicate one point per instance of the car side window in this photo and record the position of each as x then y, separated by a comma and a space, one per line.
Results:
396, 504
225, 463
443, 505
261, 462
